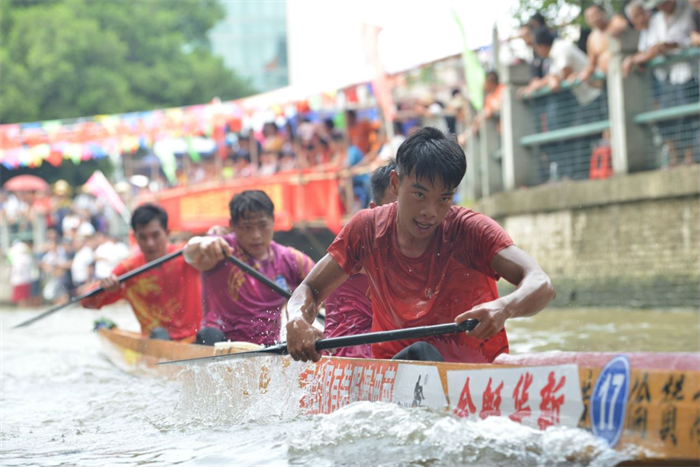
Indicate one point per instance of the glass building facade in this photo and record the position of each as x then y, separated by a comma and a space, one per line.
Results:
252, 40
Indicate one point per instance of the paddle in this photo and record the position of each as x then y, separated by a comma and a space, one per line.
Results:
259, 276
264, 279
344, 341
92, 293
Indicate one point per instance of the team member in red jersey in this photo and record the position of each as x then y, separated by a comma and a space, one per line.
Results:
348, 308
428, 262
166, 300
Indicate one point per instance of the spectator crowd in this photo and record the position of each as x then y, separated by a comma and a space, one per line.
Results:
77, 249
665, 27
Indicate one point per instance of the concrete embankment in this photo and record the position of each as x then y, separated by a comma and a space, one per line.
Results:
630, 240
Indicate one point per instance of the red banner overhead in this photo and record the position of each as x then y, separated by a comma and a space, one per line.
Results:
297, 198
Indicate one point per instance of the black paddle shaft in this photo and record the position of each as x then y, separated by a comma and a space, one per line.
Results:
265, 280
344, 341
259, 276
395, 335
92, 293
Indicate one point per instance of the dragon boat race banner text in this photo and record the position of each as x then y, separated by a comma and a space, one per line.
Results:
535, 396
297, 198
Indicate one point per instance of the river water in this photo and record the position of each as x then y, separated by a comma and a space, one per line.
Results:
63, 403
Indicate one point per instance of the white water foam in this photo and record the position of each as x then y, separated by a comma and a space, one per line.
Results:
414, 436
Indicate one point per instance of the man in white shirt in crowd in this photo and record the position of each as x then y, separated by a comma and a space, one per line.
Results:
563, 108
660, 33
83, 262
670, 29
565, 58
639, 17
108, 255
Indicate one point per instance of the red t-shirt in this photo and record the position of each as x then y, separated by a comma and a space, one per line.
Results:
451, 277
167, 296
349, 312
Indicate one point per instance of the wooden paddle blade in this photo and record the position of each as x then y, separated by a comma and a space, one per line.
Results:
43, 315
56, 308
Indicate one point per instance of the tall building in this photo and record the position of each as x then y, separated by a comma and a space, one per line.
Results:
252, 40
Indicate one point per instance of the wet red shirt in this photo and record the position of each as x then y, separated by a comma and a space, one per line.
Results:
349, 312
167, 296
452, 276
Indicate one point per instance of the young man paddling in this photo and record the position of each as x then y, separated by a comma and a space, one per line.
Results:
428, 262
166, 300
238, 307
348, 308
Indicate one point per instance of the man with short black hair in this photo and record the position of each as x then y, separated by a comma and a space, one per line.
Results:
238, 307
165, 300
566, 60
428, 263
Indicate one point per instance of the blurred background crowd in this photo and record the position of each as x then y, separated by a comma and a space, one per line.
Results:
545, 93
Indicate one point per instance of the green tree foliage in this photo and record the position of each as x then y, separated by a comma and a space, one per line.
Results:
562, 12
73, 58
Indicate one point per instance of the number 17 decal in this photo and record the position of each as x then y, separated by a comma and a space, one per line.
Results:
609, 400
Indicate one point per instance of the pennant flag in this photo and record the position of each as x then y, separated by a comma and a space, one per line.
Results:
55, 157
167, 161
194, 155
380, 83
98, 186
473, 71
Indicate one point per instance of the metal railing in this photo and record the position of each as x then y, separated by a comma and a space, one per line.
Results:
565, 128
672, 110
646, 121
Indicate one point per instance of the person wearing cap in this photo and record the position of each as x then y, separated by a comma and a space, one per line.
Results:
61, 204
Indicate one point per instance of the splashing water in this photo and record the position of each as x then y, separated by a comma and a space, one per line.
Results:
242, 391
403, 436
63, 404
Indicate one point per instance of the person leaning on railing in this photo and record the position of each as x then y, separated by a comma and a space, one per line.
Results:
671, 28
565, 60
597, 49
675, 25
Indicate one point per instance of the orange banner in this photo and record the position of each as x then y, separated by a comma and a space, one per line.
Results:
297, 198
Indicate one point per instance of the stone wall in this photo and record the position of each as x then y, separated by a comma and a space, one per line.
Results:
630, 240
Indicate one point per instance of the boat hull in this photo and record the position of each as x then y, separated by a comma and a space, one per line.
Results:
647, 401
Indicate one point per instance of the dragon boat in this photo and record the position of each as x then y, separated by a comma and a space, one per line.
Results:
646, 403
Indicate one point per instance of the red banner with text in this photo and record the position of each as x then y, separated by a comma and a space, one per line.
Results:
298, 197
